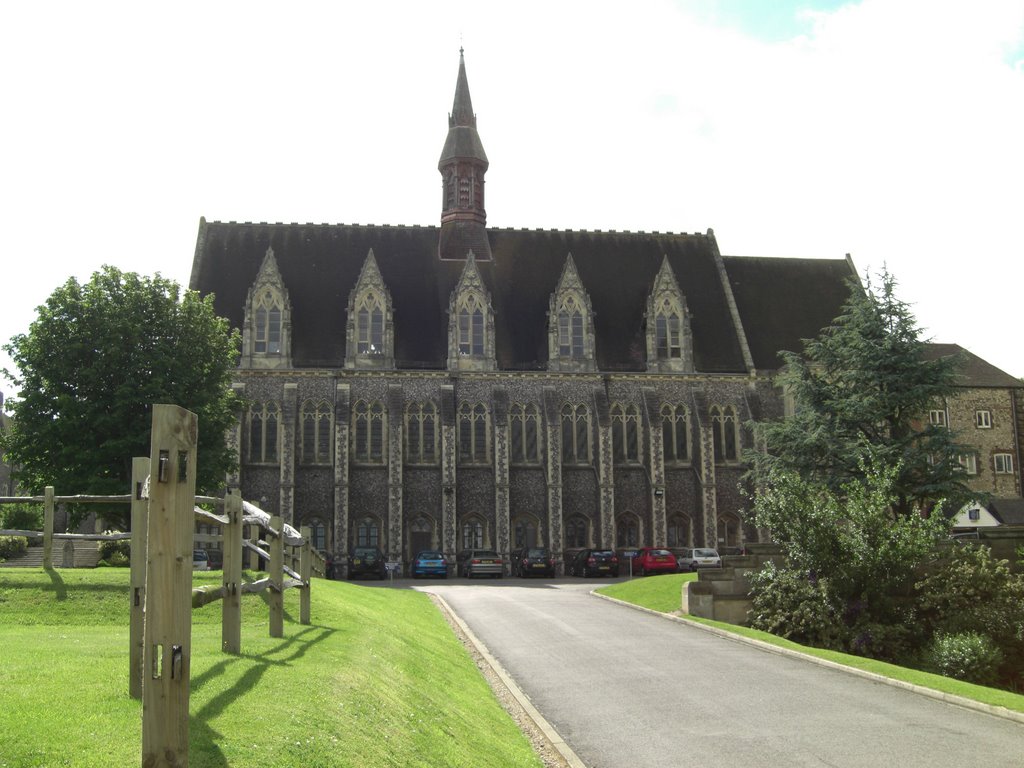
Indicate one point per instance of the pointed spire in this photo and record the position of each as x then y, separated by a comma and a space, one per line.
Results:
462, 109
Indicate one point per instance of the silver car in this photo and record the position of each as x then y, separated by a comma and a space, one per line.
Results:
695, 559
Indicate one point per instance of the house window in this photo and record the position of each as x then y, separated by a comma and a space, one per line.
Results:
317, 534
524, 533
1003, 463
263, 421
368, 532
937, 417
625, 433
974, 514
316, 432
675, 433
723, 425
728, 530
983, 419
421, 433
524, 428
368, 432
969, 462
575, 434
575, 532
473, 534
471, 330
473, 433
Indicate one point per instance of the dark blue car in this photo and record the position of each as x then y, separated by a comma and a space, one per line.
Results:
430, 563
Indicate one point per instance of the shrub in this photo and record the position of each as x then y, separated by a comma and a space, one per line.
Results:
116, 553
968, 656
790, 604
12, 546
22, 517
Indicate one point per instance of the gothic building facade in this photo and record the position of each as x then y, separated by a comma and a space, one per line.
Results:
460, 386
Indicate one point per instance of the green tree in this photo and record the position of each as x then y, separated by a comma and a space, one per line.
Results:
865, 385
93, 363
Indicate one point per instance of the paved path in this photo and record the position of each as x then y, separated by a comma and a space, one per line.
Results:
623, 687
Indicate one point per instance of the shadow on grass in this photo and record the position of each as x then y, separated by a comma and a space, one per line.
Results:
204, 739
56, 584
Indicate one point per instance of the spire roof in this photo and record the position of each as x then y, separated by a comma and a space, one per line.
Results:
463, 141
462, 108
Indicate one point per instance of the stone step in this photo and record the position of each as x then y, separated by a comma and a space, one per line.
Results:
86, 555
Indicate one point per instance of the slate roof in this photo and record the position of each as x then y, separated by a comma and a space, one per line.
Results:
1009, 511
973, 371
320, 264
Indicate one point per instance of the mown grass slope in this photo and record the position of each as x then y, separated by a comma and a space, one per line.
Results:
377, 679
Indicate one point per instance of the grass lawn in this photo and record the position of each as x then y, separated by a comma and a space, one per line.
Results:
377, 679
662, 593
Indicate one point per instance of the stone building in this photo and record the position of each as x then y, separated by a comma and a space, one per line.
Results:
459, 386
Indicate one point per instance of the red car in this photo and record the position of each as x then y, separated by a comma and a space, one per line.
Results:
654, 560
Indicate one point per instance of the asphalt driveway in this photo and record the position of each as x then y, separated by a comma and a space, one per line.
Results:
623, 687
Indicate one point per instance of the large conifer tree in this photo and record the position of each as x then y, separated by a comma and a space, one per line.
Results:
863, 389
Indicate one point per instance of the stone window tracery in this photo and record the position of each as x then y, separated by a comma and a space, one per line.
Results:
368, 432
724, 428
370, 326
421, 433
473, 433
576, 532
576, 434
625, 433
472, 533
669, 341
571, 324
471, 323
316, 421
675, 433
524, 433
368, 532
264, 419
266, 334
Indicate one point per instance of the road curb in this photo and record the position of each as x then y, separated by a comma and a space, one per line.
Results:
949, 698
553, 737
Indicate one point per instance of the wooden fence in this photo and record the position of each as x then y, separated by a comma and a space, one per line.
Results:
163, 515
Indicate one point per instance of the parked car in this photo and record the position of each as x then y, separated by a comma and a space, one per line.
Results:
594, 562
200, 560
216, 557
367, 561
430, 562
480, 562
650, 560
695, 559
533, 561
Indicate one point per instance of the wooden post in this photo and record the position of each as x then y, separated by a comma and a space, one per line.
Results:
167, 645
276, 540
305, 569
48, 527
231, 603
254, 539
140, 471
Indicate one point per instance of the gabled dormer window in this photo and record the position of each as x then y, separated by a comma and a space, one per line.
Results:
570, 324
370, 338
266, 332
669, 342
470, 323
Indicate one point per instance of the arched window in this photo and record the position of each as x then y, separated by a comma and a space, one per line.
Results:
473, 429
728, 530
723, 425
368, 432
668, 331
570, 330
317, 533
421, 433
421, 535
473, 533
267, 330
471, 329
524, 532
570, 323
524, 429
575, 434
669, 341
369, 335
627, 531
263, 433
370, 326
576, 532
316, 422
368, 532
675, 433
625, 433
679, 531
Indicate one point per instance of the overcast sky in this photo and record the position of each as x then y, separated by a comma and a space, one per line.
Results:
887, 129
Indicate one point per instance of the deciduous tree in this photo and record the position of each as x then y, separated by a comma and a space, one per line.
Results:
93, 363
